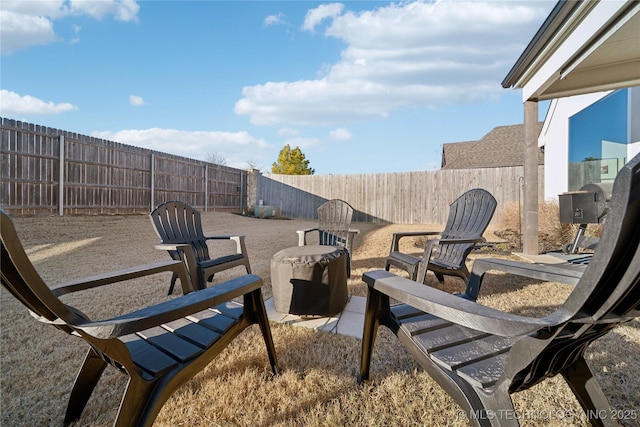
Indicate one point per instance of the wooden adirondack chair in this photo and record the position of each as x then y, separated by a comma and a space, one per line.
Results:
334, 221
177, 222
159, 347
469, 216
480, 355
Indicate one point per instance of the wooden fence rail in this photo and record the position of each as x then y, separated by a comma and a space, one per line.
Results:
46, 170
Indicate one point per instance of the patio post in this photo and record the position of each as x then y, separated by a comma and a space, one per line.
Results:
530, 208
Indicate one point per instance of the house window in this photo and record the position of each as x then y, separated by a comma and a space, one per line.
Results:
598, 141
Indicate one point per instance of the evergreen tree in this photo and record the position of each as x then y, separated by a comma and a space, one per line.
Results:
292, 162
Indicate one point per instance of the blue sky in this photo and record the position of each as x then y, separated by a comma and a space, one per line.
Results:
359, 86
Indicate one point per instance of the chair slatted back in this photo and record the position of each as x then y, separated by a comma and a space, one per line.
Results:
177, 222
334, 220
469, 217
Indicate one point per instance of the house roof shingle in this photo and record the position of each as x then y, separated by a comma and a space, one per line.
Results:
503, 146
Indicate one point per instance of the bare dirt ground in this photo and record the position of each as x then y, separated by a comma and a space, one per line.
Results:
317, 385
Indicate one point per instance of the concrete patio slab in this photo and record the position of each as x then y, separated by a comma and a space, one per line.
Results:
349, 322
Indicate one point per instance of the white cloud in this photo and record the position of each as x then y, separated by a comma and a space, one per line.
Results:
122, 10
302, 142
76, 30
12, 103
274, 20
423, 54
30, 23
315, 16
288, 132
340, 134
136, 101
237, 148
19, 31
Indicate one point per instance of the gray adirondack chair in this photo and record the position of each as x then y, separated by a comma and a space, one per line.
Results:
334, 227
480, 355
159, 347
469, 216
177, 222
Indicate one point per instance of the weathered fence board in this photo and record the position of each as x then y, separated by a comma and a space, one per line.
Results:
400, 198
100, 176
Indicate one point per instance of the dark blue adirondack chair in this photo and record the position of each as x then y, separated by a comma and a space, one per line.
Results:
469, 216
481, 356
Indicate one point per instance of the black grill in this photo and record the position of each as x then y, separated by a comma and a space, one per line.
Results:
586, 206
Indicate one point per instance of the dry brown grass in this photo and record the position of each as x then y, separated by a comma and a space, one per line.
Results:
317, 386
552, 235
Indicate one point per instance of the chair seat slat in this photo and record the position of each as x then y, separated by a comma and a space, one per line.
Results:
147, 357
485, 373
193, 332
422, 324
437, 339
471, 352
171, 344
230, 309
211, 319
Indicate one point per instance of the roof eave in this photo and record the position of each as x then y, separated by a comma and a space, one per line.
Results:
550, 27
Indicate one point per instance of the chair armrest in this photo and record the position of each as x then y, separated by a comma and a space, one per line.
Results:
188, 257
395, 241
456, 309
431, 247
302, 235
108, 278
171, 310
351, 236
239, 239
545, 272
457, 241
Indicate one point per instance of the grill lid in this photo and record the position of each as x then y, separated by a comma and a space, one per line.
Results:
586, 206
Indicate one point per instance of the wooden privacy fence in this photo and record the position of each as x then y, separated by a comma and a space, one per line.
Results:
400, 198
45, 170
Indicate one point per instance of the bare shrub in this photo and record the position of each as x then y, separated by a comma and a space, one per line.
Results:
552, 235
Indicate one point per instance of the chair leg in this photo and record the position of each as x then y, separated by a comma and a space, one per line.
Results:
369, 332
257, 304
465, 274
201, 279
86, 380
174, 277
494, 409
440, 277
137, 408
588, 392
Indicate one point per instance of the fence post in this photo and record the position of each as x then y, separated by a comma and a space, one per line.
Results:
206, 187
61, 163
252, 187
152, 173
241, 192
